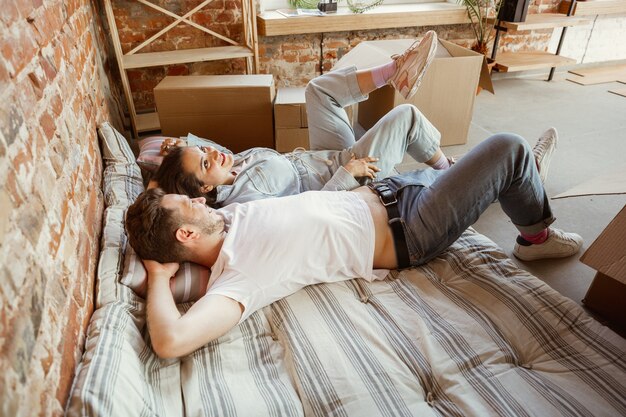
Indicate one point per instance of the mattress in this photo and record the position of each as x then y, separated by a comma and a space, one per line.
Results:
468, 334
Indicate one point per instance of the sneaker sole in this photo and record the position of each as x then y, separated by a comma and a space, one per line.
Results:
544, 256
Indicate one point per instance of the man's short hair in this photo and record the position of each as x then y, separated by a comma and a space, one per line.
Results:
172, 177
151, 228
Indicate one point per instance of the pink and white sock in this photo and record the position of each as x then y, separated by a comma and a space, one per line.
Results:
536, 238
383, 73
441, 163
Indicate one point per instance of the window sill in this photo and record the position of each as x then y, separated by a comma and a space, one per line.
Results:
272, 23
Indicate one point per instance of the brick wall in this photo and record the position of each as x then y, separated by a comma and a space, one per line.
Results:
596, 42
295, 59
54, 89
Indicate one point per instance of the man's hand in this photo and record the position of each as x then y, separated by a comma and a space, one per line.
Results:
157, 270
362, 167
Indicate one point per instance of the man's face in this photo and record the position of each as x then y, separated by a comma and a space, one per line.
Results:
194, 211
209, 165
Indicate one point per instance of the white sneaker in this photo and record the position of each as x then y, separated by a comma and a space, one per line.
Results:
543, 150
412, 64
559, 244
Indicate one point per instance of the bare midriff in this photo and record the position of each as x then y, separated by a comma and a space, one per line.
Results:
384, 249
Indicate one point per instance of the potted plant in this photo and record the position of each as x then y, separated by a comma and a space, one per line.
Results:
482, 14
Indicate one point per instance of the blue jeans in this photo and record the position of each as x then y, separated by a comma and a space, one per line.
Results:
403, 129
436, 207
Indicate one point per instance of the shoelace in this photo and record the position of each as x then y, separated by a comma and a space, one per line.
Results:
559, 234
400, 58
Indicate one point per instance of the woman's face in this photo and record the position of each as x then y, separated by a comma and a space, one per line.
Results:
209, 165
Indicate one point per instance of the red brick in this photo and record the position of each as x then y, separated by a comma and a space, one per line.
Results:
48, 69
70, 7
69, 352
23, 157
56, 105
10, 13
18, 49
47, 123
224, 18
37, 83
17, 196
232, 5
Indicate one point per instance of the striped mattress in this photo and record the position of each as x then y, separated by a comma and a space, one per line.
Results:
468, 334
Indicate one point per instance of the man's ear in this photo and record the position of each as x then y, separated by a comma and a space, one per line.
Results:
186, 234
206, 188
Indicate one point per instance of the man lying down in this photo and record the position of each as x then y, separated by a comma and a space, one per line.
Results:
264, 250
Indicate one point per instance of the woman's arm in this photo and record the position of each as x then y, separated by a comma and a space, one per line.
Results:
174, 334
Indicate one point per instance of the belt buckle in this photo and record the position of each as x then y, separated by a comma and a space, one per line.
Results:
383, 192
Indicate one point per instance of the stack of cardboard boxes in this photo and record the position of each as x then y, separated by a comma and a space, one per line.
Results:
236, 110
290, 122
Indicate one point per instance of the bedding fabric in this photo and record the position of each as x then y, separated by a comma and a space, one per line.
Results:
468, 334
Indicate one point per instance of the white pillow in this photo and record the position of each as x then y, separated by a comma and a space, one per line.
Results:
189, 284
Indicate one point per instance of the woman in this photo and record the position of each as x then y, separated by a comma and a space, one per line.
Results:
224, 178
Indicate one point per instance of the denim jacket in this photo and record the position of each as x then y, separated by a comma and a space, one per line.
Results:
265, 173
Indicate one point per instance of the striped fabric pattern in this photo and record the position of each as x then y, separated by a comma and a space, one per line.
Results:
188, 284
468, 334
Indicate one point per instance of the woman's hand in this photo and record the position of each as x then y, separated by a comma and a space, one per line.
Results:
170, 143
362, 167
157, 270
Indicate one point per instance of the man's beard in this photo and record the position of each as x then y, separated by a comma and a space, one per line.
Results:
212, 228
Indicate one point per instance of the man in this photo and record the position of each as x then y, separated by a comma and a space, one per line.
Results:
264, 250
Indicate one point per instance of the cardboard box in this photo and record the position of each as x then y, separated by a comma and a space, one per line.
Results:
289, 139
607, 293
236, 111
290, 120
445, 96
290, 108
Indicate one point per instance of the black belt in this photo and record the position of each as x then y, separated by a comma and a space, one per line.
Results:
388, 198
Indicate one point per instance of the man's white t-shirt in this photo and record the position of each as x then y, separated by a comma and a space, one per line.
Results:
274, 247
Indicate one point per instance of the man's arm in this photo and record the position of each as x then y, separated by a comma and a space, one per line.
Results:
174, 334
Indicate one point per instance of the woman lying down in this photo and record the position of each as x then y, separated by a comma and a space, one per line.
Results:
337, 160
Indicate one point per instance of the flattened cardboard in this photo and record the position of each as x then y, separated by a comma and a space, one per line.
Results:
612, 182
290, 108
289, 139
607, 297
445, 96
234, 110
607, 254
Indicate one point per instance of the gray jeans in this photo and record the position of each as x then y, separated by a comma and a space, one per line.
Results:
436, 207
403, 129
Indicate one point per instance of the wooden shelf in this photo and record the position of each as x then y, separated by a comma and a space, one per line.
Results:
272, 23
153, 59
522, 61
594, 7
247, 48
147, 122
545, 21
